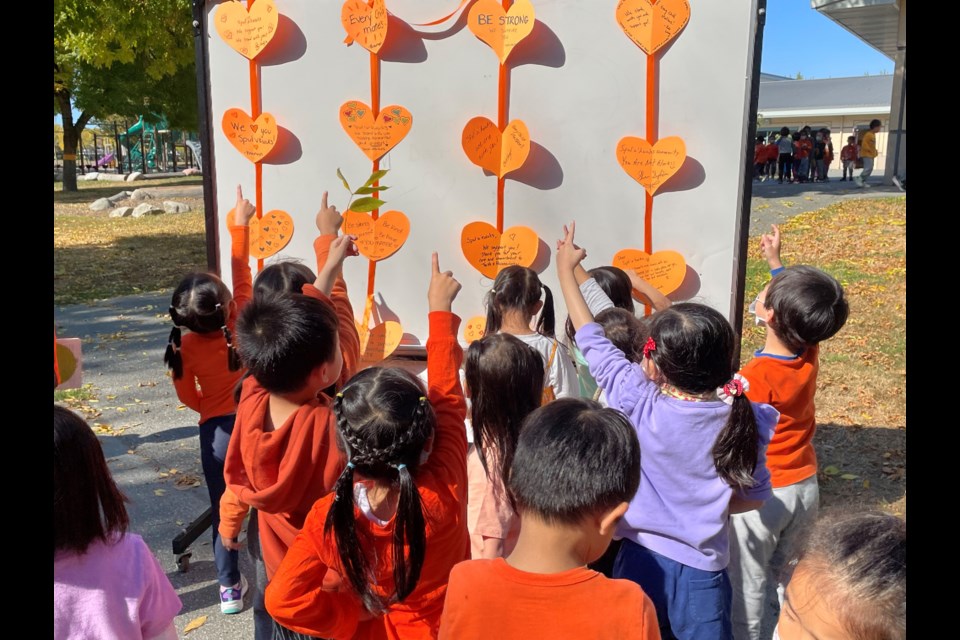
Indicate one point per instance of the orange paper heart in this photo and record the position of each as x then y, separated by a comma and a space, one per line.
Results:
253, 138
269, 234
651, 166
378, 343
664, 270
247, 31
499, 153
651, 26
364, 23
500, 29
474, 328
377, 239
375, 135
489, 251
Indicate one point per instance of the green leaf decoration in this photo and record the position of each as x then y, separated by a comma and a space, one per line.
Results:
365, 205
344, 181
366, 191
376, 175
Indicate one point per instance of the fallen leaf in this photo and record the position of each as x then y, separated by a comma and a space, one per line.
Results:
159, 492
180, 522
121, 409
181, 407
173, 472
849, 476
130, 451
866, 484
196, 623
163, 475
146, 384
831, 470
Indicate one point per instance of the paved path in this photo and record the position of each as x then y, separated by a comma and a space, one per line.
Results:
123, 343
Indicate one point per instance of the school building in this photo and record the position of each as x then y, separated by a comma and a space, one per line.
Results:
847, 105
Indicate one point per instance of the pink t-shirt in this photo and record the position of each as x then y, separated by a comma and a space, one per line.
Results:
113, 591
489, 514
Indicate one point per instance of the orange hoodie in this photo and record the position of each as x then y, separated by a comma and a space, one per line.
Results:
281, 473
304, 595
204, 355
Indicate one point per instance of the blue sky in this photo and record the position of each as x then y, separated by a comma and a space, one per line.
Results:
798, 38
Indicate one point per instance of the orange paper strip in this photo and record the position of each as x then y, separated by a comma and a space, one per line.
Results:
378, 343
664, 270
489, 251
269, 234
380, 238
474, 328
651, 165
253, 138
499, 153
375, 135
651, 26
501, 30
248, 32
365, 24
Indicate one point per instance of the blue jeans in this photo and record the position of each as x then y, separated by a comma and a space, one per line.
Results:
214, 438
691, 604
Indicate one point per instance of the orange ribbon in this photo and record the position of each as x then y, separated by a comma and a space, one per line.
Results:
503, 87
375, 107
255, 112
651, 138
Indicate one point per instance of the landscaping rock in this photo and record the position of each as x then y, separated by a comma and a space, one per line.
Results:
141, 194
101, 204
123, 195
111, 177
146, 209
175, 207
191, 171
122, 212
136, 175
89, 176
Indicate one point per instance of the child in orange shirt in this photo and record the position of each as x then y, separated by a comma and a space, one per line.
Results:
498, 366
801, 307
283, 454
205, 369
576, 467
373, 558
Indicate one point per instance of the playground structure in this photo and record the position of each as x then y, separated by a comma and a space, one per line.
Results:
145, 147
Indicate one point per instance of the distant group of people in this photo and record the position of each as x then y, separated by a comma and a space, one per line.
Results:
805, 155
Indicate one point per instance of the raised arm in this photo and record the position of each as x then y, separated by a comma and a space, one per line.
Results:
648, 291
569, 257
444, 357
770, 250
239, 229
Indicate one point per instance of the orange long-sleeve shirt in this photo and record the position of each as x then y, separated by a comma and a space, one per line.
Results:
299, 596
491, 599
207, 383
789, 385
283, 472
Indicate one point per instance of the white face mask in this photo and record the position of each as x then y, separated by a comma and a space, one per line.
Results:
760, 322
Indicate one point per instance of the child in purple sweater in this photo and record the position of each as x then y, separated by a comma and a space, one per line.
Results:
703, 447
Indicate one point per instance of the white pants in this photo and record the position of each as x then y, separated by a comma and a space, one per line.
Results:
762, 547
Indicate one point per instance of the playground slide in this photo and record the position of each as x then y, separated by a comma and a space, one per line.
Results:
107, 159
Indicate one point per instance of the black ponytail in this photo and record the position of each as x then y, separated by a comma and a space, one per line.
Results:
546, 325
233, 360
383, 423
171, 357
735, 451
519, 288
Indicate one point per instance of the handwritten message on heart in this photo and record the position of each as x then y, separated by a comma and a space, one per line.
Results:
375, 134
651, 26
499, 153
249, 32
649, 165
269, 234
378, 343
474, 328
377, 239
253, 138
501, 30
489, 251
664, 270
365, 24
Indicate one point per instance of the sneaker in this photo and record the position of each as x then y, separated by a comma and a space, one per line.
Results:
866, 185
859, 181
899, 185
843, 179
231, 598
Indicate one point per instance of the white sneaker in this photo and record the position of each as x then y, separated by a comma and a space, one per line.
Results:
231, 598
866, 185
859, 181
898, 184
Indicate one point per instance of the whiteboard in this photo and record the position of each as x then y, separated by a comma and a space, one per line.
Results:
577, 82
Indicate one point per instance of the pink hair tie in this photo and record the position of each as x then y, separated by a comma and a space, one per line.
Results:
650, 345
737, 386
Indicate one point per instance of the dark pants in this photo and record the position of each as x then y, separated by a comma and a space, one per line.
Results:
262, 622
691, 604
786, 166
214, 438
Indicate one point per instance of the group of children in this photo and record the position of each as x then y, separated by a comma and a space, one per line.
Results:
369, 492
805, 155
